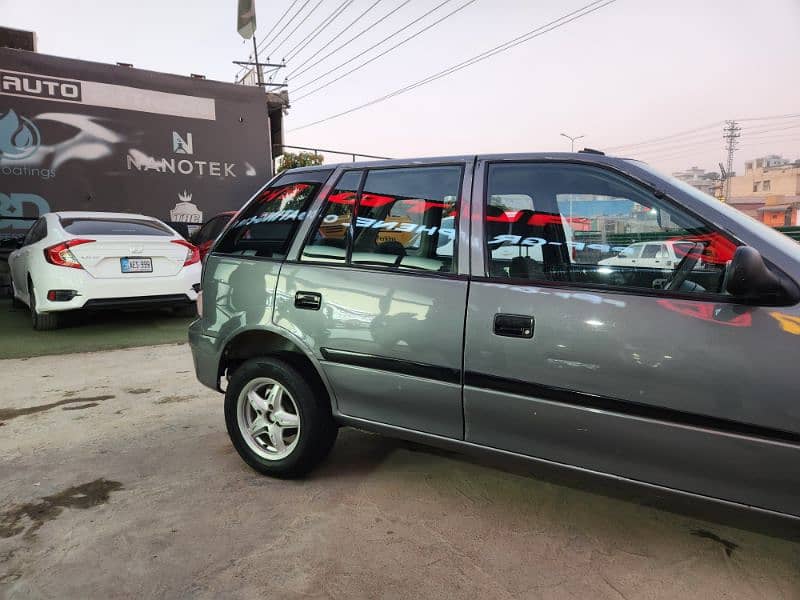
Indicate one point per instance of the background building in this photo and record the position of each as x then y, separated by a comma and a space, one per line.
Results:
705, 181
767, 176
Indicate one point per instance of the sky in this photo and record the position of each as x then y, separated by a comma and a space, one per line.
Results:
632, 71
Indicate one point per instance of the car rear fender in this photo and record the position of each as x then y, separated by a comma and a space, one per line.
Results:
267, 342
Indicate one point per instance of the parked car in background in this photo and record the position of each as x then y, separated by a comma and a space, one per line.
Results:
92, 260
209, 232
458, 310
663, 254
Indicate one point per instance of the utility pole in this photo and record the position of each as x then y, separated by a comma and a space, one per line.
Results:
572, 140
259, 68
731, 135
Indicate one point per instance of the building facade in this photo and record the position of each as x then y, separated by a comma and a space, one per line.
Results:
767, 176
705, 181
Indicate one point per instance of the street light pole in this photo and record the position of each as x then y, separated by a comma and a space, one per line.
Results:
572, 140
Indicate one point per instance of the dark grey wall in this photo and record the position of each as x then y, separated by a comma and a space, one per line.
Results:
77, 135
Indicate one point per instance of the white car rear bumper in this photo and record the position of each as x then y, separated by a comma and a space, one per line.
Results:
116, 291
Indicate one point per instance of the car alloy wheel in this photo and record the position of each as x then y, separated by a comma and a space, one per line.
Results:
268, 418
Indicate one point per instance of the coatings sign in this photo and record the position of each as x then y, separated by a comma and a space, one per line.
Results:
76, 135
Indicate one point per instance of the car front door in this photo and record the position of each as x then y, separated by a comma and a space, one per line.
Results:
378, 294
619, 370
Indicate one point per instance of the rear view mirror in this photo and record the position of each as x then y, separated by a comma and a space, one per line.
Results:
749, 278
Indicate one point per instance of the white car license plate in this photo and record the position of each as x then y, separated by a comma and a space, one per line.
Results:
136, 265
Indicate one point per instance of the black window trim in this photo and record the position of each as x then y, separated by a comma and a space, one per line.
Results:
486, 276
351, 231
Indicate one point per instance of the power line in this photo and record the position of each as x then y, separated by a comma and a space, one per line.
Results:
680, 134
677, 146
317, 30
286, 12
539, 31
363, 52
397, 45
291, 33
768, 130
352, 39
666, 137
771, 118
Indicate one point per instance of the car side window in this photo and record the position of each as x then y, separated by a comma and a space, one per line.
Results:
584, 224
266, 227
38, 231
404, 219
212, 229
329, 241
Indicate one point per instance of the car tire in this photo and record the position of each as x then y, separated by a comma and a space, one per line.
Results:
40, 321
253, 405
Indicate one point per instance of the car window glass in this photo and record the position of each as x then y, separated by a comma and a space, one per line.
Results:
329, 241
406, 218
589, 225
651, 250
30, 235
204, 233
211, 230
265, 228
121, 226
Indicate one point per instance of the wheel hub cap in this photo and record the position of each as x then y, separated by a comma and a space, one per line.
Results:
268, 418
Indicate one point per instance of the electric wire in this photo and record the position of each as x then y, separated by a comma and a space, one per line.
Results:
352, 39
363, 52
537, 32
300, 24
301, 45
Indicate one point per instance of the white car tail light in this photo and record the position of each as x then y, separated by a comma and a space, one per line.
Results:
192, 252
61, 256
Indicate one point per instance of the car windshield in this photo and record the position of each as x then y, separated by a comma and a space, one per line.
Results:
116, 226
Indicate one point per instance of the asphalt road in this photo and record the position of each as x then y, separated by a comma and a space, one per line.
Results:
117, 480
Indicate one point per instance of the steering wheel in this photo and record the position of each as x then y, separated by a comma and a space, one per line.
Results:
684, 267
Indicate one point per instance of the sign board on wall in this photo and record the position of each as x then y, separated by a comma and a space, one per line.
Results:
76, 135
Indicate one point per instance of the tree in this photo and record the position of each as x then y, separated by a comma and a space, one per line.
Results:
290, 160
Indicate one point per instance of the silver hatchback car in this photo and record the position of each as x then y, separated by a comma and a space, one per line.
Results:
467, 302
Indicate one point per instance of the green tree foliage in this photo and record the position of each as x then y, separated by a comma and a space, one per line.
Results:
290, 160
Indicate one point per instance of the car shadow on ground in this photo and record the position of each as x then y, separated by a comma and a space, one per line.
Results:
358, 453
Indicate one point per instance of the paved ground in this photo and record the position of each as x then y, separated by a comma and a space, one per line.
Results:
117, 480
87, 331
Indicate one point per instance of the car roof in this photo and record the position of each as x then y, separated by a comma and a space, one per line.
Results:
85, 214
587, 157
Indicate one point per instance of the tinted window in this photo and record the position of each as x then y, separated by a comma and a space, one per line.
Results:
404, 218
651, 250
37, 232
584, 224
330, 240
268, 224
121, 226
212, 229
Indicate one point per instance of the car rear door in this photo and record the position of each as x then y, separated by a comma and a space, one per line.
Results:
603, 368
378, 292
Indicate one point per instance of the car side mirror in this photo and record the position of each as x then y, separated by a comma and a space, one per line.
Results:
750, 279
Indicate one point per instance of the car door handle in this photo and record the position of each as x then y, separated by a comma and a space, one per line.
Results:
308, 300
518, 326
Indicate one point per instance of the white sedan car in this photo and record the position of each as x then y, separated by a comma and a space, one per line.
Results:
665, 254
94, 260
